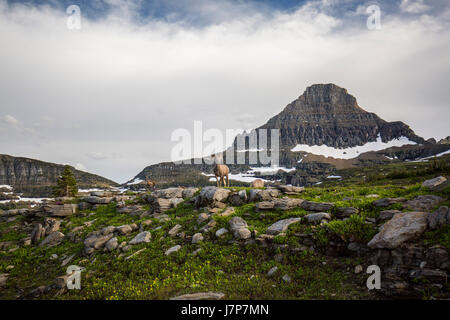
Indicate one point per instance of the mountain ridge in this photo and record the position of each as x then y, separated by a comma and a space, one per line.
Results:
36, 177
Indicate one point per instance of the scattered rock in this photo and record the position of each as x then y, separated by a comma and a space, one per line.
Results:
434, 184
386, 202
265, 205
124, 230
97, 200
291, 190
221, 232
267, 195
317, 206
423, 203
172, 250
84, 206
189, 193
228, 212
174, 231
286, 278
253, 194
96, 241
135, 254
272, 271
358, 269
3, 279
141, 238
258, 183
57, 210
38, 233
281, 226
51, 225
202, 218
239, 228
211, 196
53, 239
402, 227
112, 244
168, 193
287, 203
439, 218
67, 260
345, 212
317, 217
196, 238
387, 214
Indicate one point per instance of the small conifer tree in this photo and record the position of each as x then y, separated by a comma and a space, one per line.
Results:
66, 186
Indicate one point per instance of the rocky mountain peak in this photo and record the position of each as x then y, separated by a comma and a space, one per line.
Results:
330, 93
326, 114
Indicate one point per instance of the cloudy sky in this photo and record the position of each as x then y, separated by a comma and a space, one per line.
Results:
107, 97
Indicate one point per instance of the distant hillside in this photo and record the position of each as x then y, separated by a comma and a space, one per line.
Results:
36, 178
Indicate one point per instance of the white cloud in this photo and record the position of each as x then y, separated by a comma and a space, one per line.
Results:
414, 6
116, 90
10, 120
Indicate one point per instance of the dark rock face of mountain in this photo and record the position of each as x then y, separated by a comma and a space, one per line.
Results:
327, 114
36, 177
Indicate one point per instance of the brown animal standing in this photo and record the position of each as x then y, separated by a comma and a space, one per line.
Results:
150, 184
221, 171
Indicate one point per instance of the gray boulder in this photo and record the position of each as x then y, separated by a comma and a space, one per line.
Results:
196, 238
168, 193
267, 195
387, 214
439, 218
291, 190
239, 228
253, 194
434, 184
210, 196
172, 250
402, 227
344, 212
175, 230
221, 232
59, 210
317, 206
423, 203
97, 200
281, 226
317, 217
53, 239
112, 244
142, 237
189, 193
386, 202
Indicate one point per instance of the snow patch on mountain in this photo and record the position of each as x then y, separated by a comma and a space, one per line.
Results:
352, 152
